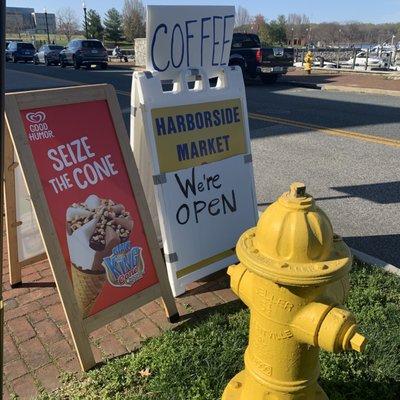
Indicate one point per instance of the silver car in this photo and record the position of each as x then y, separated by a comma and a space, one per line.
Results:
48, 54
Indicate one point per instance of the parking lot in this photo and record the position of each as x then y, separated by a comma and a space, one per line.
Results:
344, 146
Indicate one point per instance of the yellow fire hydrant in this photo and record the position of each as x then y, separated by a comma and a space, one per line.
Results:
293, 275
308, 62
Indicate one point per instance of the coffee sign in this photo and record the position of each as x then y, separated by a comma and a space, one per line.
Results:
182, 37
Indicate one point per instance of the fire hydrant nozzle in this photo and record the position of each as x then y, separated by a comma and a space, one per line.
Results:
293, 275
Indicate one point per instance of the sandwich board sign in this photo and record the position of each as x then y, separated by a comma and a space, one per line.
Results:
192, 144
73, 150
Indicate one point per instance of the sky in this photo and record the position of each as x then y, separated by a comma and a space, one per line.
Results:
317, 10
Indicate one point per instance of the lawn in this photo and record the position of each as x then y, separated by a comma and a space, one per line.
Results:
196, 361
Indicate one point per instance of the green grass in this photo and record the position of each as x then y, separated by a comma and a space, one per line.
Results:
196, 361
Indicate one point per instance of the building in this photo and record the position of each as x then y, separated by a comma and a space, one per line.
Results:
40, 22
23, 19
19, 19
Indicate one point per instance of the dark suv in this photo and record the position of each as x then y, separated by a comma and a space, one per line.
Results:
81, 52
20, 51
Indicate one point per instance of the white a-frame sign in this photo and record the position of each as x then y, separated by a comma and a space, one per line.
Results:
201, 167
192, 148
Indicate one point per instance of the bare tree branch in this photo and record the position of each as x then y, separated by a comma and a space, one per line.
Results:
67, 22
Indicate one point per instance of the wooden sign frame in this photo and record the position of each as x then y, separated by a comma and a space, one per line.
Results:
14, 264
80, 327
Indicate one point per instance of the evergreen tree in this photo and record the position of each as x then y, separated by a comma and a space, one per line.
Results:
113, 26
94, 26
277, 30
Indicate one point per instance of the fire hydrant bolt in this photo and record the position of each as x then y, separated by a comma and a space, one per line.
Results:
293, 276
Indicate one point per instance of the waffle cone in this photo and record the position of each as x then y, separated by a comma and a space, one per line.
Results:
87, 287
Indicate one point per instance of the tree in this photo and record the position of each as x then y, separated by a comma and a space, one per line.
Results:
277, 30
67, 22
261, 28
95, 28
113, 26
242, 17
133, 19
296, 27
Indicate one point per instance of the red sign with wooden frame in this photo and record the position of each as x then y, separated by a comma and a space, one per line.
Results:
81, 175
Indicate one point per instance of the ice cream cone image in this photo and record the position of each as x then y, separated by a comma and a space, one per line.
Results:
94, 229
87, 287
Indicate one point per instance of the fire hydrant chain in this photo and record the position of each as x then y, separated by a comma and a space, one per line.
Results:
293, 276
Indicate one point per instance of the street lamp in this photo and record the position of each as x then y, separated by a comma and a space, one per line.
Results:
308, 37
340, 31
292, 36
84, 12
47, 26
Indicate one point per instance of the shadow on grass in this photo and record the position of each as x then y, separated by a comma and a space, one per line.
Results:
195, 318
361, 390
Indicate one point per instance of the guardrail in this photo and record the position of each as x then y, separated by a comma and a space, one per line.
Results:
352, 58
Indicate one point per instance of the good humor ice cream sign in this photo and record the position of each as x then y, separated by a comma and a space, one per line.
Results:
93, 208
188, 36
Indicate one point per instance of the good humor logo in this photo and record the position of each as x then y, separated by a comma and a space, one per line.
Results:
38, 128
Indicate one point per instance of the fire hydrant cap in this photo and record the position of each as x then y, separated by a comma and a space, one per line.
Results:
293, 242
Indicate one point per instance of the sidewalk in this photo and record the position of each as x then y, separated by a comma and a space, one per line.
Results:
354, 81
37, 341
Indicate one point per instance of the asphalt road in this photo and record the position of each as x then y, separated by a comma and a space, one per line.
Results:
344, 146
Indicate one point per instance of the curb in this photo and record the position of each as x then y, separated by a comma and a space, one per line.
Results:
306, 85
345, 71
338, 88
375, 262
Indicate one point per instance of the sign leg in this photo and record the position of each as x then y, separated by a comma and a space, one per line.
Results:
10, 211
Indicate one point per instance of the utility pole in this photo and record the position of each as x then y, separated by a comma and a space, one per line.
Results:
338, 51
47, 26
2, 133
84, 12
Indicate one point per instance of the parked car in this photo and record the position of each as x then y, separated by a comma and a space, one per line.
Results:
374, 61
268, 63
84, 52
48, 54
20, 51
